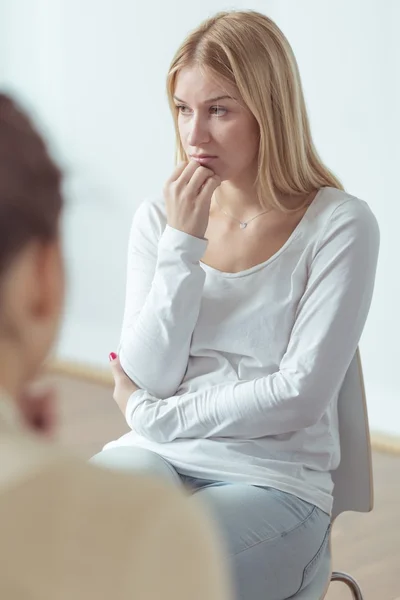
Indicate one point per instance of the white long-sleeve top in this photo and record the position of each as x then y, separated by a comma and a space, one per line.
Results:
240, 372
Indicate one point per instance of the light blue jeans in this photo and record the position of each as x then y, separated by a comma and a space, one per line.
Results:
274, 540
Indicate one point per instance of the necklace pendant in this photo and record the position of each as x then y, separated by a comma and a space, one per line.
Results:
243, 225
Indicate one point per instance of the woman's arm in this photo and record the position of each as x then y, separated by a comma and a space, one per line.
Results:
165, 281
163, 294
328, 326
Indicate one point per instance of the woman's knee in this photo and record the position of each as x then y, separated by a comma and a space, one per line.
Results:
136, 460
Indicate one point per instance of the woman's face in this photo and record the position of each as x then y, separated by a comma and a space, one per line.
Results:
214, 127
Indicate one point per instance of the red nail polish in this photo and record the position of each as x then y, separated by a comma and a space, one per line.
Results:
112, 356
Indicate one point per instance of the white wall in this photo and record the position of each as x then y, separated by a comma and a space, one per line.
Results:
95, 71
349, 55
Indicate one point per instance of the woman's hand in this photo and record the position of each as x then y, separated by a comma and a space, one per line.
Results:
188, 194
123, 386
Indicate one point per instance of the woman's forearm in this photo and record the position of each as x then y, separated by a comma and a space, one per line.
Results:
156, 336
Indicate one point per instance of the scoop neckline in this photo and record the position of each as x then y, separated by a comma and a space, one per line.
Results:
294, 235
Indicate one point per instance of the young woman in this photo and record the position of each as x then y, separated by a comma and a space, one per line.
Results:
249, 284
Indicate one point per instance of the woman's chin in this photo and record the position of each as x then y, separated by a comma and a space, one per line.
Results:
224, 177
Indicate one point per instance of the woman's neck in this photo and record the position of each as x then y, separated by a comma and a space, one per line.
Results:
241, 201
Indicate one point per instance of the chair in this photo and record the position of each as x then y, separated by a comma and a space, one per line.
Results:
353, 485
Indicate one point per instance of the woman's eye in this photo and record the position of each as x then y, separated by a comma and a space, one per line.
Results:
218, 111
184, 110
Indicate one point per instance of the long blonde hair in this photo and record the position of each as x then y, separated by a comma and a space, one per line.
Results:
248, 50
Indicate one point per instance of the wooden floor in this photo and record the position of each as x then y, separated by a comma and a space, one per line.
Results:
367, 546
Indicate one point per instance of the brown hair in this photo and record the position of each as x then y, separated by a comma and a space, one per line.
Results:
30, 184
248, 50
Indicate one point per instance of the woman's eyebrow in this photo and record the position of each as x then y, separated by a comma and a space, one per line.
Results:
210, 100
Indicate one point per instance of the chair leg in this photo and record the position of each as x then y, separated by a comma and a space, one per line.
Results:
350, 582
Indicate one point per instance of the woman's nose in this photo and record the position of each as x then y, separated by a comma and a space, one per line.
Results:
198, 131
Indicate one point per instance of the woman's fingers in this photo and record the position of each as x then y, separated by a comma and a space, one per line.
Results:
187, 174
186, 198
119, 374
177, 172
208, 188
124, 387
116, 368
120, 377
196, 183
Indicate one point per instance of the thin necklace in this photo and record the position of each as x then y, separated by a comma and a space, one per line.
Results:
242, 224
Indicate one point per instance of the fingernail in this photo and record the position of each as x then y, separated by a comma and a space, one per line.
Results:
112, 356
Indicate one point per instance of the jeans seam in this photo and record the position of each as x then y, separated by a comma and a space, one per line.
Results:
315, 557
280, 535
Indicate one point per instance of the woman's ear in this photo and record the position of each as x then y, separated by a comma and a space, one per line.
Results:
49, 282
33, 295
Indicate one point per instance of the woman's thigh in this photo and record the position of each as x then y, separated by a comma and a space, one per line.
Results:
136, 460
274, 540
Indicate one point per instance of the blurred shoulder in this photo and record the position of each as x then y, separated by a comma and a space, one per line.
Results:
120, 525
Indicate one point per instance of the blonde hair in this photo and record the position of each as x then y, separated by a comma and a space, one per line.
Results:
248, 50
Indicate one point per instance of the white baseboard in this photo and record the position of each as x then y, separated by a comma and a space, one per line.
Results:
380, 442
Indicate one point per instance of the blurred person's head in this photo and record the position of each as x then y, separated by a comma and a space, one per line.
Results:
258, 127
31, 270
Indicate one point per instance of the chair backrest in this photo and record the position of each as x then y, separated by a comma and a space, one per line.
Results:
353, 478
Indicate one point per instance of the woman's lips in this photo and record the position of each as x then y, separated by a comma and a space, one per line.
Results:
204, 160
